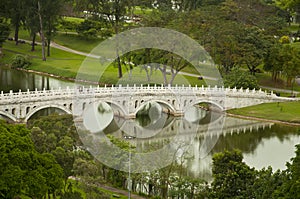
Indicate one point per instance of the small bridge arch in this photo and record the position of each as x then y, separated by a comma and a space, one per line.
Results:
35, 110
8, 115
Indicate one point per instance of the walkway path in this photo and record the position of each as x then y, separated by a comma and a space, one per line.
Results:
280, 90
120, 191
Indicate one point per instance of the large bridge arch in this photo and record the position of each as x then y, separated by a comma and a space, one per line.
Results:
8, 115
167, 104
35, 110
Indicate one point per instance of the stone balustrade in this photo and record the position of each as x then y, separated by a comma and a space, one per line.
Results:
20, 106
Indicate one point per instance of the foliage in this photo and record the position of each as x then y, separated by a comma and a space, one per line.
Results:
23, 169
232, 177
88, 29
284, 39
285, 59
240, 79
56, 135
20, 61
68, 26
4, 31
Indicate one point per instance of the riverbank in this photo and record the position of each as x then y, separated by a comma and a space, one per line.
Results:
287, 113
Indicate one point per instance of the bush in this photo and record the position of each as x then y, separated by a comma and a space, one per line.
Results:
20, 61
88, 29
284, 40
240, 79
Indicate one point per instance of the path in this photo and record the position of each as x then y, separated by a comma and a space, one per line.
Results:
280, 90
55, 45
120, 191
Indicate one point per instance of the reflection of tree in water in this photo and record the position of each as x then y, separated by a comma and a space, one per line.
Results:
249, 141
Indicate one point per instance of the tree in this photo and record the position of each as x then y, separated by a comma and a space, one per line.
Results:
283, 58
272, 61
22, 169
15, 10
254, 44
240, 79
4, 33
33, 22
50, 13
291, 6
291, 63
232, 177
114, 12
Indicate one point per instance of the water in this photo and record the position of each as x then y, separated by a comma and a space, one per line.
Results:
16, 80
263, 144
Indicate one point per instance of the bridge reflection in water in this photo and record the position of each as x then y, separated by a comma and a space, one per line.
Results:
192, 140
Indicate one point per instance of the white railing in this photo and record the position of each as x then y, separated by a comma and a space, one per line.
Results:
136, 90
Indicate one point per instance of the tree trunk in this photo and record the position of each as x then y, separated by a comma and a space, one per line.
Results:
117, 47
42, 32
33, 42
0, 51
48, 47
17, 26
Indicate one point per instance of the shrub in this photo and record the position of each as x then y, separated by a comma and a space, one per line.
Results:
20, 61
240, 79
88, 29
284, 40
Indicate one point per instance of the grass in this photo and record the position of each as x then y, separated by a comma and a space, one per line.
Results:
73, 41
60, 63
73, 19
283, 111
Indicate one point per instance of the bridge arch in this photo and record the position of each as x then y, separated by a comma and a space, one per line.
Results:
33, 111
8, 115
161, 102
205, 101
118, 107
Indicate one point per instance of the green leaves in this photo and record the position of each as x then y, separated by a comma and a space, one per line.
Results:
22, 168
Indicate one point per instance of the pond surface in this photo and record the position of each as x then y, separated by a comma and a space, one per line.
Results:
16, 80
194, 141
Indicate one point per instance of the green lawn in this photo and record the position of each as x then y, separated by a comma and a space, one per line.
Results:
73, 41
59, 63
287, 111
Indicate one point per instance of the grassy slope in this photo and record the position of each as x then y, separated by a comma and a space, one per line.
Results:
66, 64
73, 41
288, 111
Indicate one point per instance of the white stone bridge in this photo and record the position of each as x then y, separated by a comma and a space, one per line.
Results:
127, 101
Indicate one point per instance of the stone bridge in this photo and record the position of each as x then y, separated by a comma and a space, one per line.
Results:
126, 101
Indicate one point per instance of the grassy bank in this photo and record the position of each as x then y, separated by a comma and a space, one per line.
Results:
66, 64
283, 111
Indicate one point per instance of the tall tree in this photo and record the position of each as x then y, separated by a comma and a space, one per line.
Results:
16, 12
114, 12
4, 33
232, 177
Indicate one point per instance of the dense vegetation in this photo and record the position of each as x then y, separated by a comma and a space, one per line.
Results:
248, 35
39, 160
